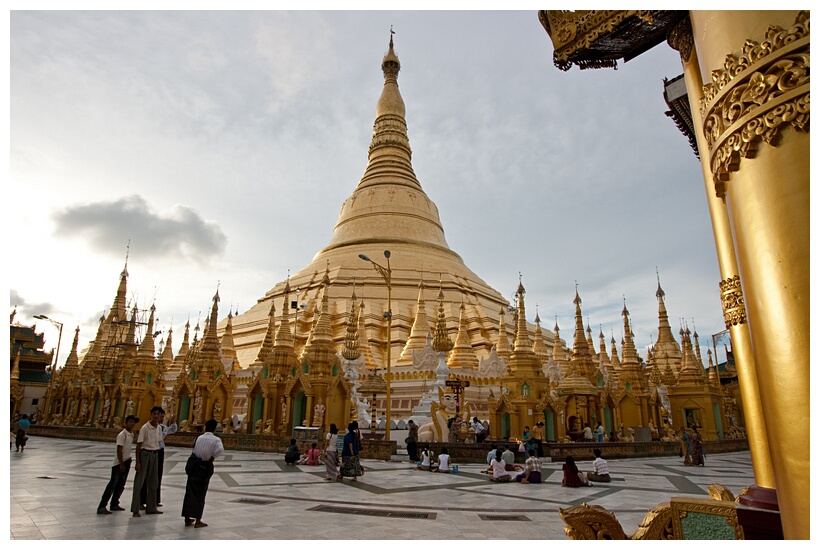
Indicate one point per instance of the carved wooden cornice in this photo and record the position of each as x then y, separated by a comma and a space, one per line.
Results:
594, 39
755, 95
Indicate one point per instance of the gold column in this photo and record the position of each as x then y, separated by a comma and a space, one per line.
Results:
755, 126
734, 312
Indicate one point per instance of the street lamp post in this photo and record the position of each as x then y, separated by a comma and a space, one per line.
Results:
386, 274
50, 391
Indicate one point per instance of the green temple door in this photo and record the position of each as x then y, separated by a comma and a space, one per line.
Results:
184, 407
299, 409
505, 425
258, 405
549, 424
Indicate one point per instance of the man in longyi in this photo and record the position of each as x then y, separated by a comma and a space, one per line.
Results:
200, 468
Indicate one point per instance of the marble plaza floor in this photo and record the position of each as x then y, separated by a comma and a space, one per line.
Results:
56, 484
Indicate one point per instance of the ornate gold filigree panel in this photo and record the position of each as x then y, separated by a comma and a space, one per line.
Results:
731, 297
755, 95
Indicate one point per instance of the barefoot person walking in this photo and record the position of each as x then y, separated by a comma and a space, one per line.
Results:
200, 468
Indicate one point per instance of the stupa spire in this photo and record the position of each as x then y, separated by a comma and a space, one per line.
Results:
419, 332
284, 338
393, 206
148, 346
522, 336
228, 351
539, 348
502, 346
463, 354
267, 343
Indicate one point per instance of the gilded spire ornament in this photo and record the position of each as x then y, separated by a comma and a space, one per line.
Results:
441, 339
351, 350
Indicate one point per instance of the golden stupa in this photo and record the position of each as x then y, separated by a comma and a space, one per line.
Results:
388, 210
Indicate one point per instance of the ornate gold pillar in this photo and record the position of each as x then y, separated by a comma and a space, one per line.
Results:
731, 296
755, 123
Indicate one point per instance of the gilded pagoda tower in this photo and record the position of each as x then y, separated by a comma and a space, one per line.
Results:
388, 210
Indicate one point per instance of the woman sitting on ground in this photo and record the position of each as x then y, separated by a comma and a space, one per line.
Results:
313, 455
571, 474
532, 474
444, 462
426, 460
499, 468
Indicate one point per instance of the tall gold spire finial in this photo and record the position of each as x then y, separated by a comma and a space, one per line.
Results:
124, 273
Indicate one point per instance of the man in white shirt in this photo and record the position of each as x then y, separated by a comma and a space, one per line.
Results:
200, 468
119, 471
480, 435
166, 430
600, 469
149, 442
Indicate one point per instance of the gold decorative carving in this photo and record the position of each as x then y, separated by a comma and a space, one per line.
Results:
719, 492
680, 38
587, 522
731, 297
755, 95
656, 524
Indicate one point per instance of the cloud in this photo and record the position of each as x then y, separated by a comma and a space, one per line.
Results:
180, 232
32, 309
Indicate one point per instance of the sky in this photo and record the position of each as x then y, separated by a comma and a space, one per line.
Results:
221, 145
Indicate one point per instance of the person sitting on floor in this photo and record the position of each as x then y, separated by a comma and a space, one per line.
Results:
292, 453
313, 455
426, 460
571, 474
303, 454
508, 456
444, 462
600, 469
499, 468
532, 474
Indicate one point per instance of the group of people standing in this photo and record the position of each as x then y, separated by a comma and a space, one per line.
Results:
351, 447
148, 460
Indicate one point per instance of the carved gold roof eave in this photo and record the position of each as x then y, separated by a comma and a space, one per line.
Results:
598, 38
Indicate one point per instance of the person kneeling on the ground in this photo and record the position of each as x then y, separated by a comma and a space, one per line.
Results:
600, 469
533, 472
499, 469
